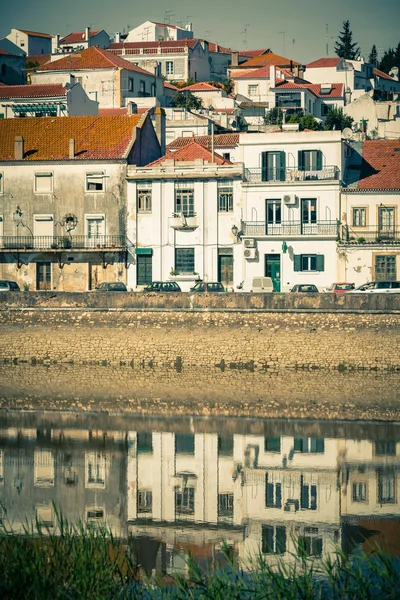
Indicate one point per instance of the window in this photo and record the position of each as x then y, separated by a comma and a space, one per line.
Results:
385, 448
94, 514
324, 110
273, 166
359, 491
169, 67
273, 494
253, 90
44, 515
43, 183
144, 269
95, 468
95, 182
145, 501
310, 160
273, 539
184, 501
144, 443
308, 211
95, 230
274, 212
142, 90
359, 216
184, 260
225, 199
225, 446
226, 155
386, 220
310, 546
385, 267
43, 468
309, 445
78, 80
130, 84
184, 202
225, 505
386, 488
272, 444
309, 262
43, 276
144, 199
308, 495
184, 444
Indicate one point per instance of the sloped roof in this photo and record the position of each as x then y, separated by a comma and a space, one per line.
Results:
41, 59
42, 90
169, 85
219, 49
253, 53
380, 167
262, 73
78, 36
36, 33
268, 58
337, 89
383, 75
322, 63
201, 86
90, 58
221, 140
5, 52
190, 152
47, 138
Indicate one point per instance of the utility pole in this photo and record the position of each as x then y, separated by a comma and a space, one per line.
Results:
245, 34
283, 34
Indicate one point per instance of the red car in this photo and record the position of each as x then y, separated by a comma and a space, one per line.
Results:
339, 288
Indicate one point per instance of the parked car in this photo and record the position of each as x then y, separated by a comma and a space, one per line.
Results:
256, 285
305, 287
162, 286
207, 286
9, 286
111, 286
339, 288
378, 287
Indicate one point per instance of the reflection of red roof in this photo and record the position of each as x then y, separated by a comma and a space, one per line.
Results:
201, 86
269, 58
43, 90
380, 168
323, 63
77, 36
190, 152
91, 58
221, 140
383, 75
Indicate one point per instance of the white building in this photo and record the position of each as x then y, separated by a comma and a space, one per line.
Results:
31, 42
378, 119
79, 40
149, 31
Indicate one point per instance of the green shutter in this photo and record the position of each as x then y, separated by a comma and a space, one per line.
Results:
319, 160
282, 166
300, 160
264, 166
144, 251
320, 262
297, 262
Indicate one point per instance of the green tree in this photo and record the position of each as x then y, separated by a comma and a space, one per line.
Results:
373, 56
305, 121
229, 86
336, 119
186, 100
345, 47
391, 58
274, 116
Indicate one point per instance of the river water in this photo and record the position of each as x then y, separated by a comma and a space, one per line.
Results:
177, 463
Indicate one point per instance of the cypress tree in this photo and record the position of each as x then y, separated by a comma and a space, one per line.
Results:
345, 47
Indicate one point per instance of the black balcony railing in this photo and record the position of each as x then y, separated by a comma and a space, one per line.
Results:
290, 228
73, 242
294, 174
372, 234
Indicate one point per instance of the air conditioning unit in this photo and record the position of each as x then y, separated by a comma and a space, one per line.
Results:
250, 243
250, 253
289, 199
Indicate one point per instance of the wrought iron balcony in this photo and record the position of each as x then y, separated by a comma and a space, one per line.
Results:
370, 235
66, 242
291, 174
290, 228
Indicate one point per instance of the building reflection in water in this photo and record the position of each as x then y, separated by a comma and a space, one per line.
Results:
277, 487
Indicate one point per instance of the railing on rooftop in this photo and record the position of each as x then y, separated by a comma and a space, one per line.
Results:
370, 234
73, 242
136, 51
291, 174
290, 228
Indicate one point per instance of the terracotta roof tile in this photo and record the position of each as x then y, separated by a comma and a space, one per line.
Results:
78, 36
253, 53
383, 75
36, 33
190, 152
221, 140
47, 138
43, 90
90, 58
269, 58
41, 59
322, 63
380, 168
219, 49
201, 86
337, 90
107, 112
170, 86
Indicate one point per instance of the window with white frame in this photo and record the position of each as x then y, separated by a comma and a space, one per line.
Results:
169, 67
309, 445
145, 501
273, 539
43, 461
95, 469
386, 488
273, 493
144, 198
95, 181
253, 89
43, 183
308, 495
184, 201
359, 216
225, 505
309, 262
225, 198
184, 501
359, 491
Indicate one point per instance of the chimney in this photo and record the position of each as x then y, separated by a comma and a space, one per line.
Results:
87, 36
272, 76
160, 128
19, 148
235, 59
132, 108
71, 149
118, 37
347, 95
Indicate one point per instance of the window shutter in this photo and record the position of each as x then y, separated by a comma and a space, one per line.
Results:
278, 495
300, 160
297, 262
320, 262
319, 160
282, 166
264, 159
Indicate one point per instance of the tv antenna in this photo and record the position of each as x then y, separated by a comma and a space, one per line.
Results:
245, 34
168, 15
283, 34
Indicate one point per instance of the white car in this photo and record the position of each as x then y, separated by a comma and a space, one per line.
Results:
377, 287
256, 285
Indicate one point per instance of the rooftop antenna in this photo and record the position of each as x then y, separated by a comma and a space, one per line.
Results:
146, 32
168, 15
327, 38
293, 43
283, 34
208, 34
245, 34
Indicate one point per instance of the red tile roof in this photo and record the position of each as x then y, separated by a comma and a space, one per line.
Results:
262, 73
104, 112
4, 52
337, 90
41, 59
253, 53
43, 90
169, 85
383, 75
227, 111
221, 140
322, 63
91, 58
47, 138
380, 169
268, 58
77, 36
201, 86
190, 152
36, 33
219, 49
164, 25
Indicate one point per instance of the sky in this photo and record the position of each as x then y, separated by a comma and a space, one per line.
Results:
298, 30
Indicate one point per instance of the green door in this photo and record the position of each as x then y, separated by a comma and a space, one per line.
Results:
225, 269
273, 270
